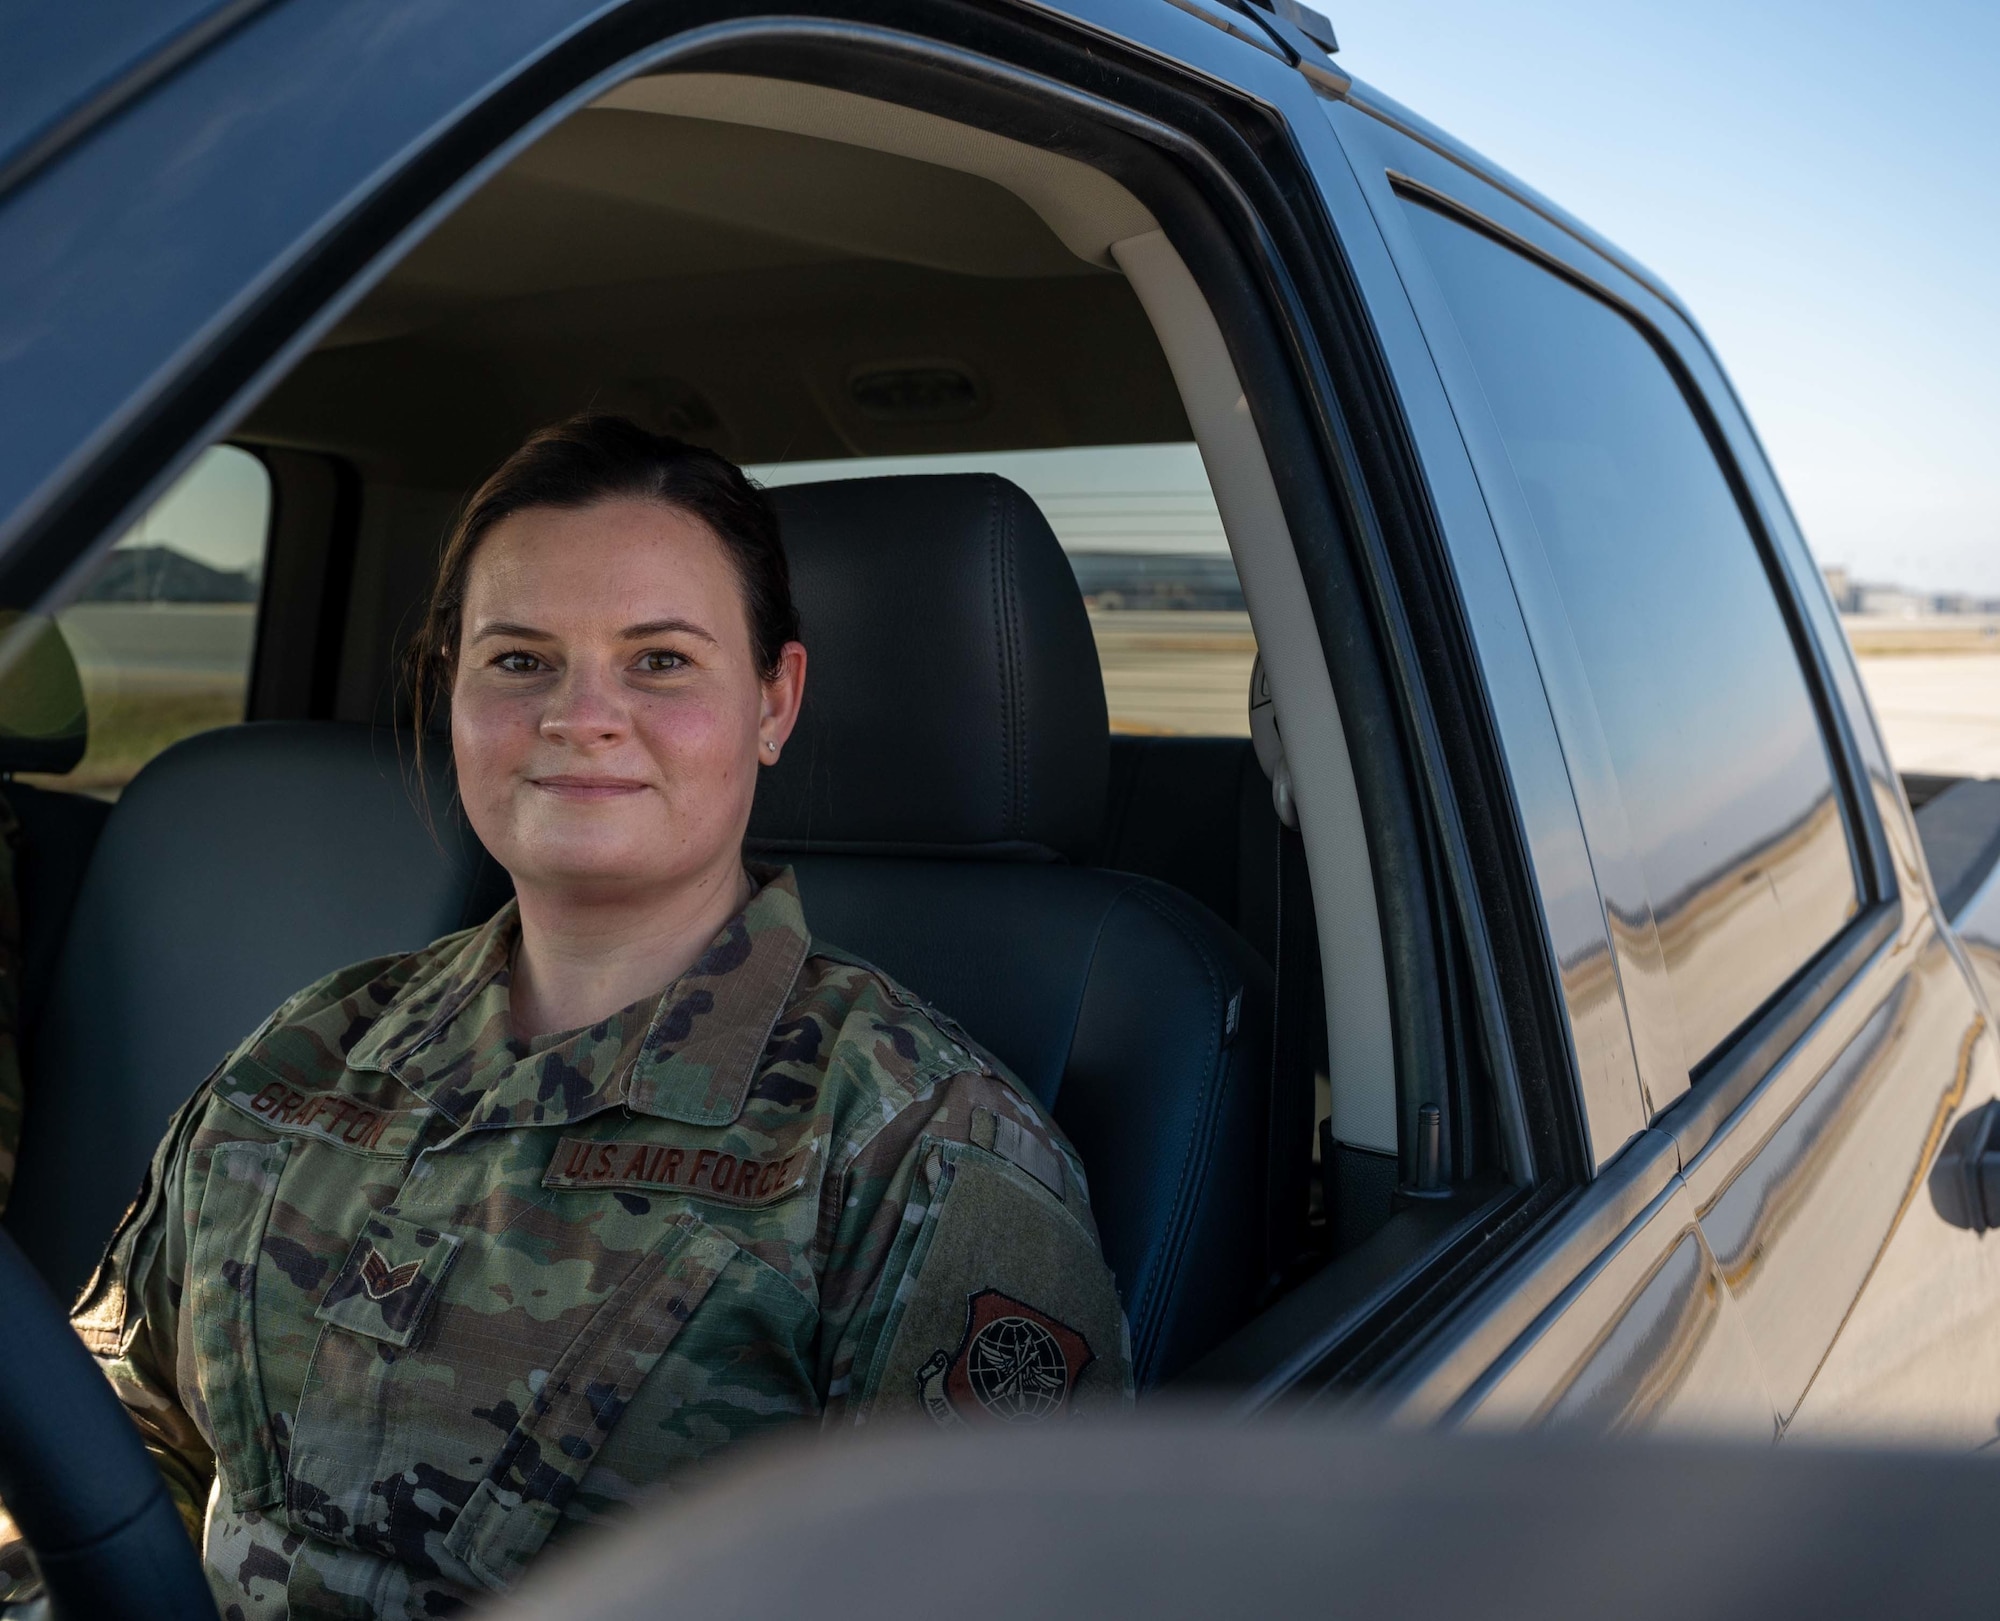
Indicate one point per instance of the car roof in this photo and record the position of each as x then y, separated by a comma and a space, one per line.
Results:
57, 78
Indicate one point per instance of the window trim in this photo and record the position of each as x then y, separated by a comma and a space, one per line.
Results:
309, 557
1875, 873
1743, 1057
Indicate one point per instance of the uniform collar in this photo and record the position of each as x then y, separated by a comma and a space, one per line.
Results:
688, 1055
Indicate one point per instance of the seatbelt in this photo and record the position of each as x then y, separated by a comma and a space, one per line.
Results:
1297, 1041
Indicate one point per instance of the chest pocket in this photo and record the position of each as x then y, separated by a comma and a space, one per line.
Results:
230, 1221
448, 1432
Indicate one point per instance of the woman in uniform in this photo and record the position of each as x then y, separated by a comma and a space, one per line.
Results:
465, 1249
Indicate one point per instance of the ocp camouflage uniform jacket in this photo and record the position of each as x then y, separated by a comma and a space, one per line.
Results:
406, 1299
10, 997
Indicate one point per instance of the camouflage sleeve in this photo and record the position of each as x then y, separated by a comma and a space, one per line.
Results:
965, 1282
129, 1313
11, 1093
129, 1318
18, 1581
17, 1576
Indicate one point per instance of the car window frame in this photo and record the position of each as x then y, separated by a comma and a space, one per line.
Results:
1410, 165
120, 696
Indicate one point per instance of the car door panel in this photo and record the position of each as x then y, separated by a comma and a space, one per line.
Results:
1648, 1338
1809, 1194
1873, 1313
1978, 928
1614, 1312
1615, 1317
1579, 941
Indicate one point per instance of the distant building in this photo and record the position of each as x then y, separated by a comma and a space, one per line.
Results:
1890, 602
1852, 596
1113, 580
1963, 602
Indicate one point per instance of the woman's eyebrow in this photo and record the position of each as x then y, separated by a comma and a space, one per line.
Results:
665, 627
513, 631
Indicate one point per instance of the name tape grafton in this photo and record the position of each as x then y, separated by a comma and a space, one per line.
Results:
328, 1116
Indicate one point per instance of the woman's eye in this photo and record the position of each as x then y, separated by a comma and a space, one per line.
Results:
657, 663
518, 663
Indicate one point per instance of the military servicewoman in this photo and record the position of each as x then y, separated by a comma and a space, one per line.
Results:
465, 1249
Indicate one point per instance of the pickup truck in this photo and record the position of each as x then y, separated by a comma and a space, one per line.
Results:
1541, 1002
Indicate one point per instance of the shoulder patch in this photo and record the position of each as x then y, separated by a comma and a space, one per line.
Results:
1013, 1365
1003, 1310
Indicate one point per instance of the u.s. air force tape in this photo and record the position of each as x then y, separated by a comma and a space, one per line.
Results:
704, 1173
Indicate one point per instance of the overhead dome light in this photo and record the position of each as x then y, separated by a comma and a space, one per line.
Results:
928, 392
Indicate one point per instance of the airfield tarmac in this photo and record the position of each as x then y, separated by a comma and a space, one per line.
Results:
1939, 710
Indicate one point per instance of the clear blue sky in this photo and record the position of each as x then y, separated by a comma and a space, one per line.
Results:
1820, 183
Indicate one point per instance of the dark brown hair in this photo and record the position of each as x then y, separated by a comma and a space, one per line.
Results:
579, 463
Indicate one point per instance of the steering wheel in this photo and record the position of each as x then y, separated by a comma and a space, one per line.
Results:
75, 1476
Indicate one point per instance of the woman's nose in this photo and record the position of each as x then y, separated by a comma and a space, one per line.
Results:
585, 707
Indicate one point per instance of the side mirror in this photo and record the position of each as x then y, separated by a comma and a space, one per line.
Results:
1965, 1180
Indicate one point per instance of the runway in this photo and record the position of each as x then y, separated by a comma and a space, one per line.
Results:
1190, 672
1939, 712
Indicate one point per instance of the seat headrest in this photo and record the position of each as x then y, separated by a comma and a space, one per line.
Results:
42, 721
953, 702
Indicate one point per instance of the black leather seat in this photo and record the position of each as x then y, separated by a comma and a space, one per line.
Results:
237, 868
949, 767
44, 728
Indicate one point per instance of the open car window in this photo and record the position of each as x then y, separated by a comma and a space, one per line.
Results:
164, 632
1140, 528
751, 265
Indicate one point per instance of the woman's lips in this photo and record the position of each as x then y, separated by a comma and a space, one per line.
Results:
588, 787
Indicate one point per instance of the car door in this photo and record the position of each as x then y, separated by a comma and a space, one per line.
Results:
1801, 1034
244, 243
231, 248
1612, 1309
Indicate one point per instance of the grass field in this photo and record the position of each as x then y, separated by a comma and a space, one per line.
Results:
153, 673
130, 724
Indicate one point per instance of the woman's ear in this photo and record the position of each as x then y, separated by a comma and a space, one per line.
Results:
784, 691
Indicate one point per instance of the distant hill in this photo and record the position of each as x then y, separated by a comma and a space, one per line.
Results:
161, 574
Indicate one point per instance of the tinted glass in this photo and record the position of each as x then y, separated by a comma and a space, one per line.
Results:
1720, 762
163, 633
1139, 525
